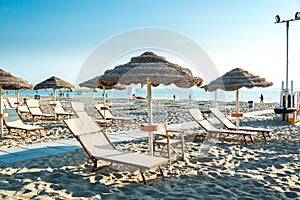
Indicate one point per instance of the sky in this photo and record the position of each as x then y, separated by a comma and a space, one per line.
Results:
39, 39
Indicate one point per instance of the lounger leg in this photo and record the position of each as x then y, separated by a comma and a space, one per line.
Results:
264, 136
152, 181
94, 166
144, 179
251, 139
161, 173
245, 140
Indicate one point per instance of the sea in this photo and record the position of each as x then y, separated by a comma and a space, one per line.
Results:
271, 95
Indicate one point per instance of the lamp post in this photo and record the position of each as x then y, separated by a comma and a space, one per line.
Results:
277, 20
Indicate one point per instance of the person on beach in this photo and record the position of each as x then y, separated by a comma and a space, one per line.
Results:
174, 97
261, 98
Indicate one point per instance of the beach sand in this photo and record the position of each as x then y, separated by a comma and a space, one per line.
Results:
218, 168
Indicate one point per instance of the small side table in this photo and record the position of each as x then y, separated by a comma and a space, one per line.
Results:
52, 104
2, 115
237, 116
150, 127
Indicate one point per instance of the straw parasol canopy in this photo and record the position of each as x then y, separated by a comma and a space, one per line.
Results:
152, 70
234, 80
10, 82
95, 83
54, 83
150, 66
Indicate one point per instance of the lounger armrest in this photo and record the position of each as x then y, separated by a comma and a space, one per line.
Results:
162, 135
175, 131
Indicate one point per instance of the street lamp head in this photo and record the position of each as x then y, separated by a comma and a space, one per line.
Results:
297, 15
277, 19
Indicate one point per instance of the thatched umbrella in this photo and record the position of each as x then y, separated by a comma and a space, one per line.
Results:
54, 83
10, 82
95, 83
234, 80
152, 70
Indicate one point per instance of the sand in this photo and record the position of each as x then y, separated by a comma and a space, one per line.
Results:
219, 168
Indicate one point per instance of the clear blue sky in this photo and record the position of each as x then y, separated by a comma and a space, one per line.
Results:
41, 38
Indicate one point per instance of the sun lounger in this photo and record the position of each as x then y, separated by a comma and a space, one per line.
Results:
35, 110
79, 109
229, 125
165, 143
6, 104
13, 121
60, 111
106, 113
99, 148
13, 102
23, 109
209, 128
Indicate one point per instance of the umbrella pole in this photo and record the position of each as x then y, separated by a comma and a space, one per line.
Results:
237, 108
215, 103
150, 120
104, 100
54, 94
1, 111
18, 96
104, 96
149, 96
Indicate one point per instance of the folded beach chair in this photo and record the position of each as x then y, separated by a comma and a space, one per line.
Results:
13, 121
106, 113
35, 110
169, 141
60, 111
209, 128
229, 125
99, 148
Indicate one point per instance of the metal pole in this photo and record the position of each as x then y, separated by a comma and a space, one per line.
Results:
287, 57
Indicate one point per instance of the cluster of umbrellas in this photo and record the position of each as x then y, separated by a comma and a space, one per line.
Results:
10, 82
147, 69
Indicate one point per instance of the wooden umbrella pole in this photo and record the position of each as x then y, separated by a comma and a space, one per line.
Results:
1, 111
237, 109
18, 96
54, 94
104, 96
150, 119
104, 100
149, 96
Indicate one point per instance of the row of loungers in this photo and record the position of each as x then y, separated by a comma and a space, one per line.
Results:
230, 127
99, 148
